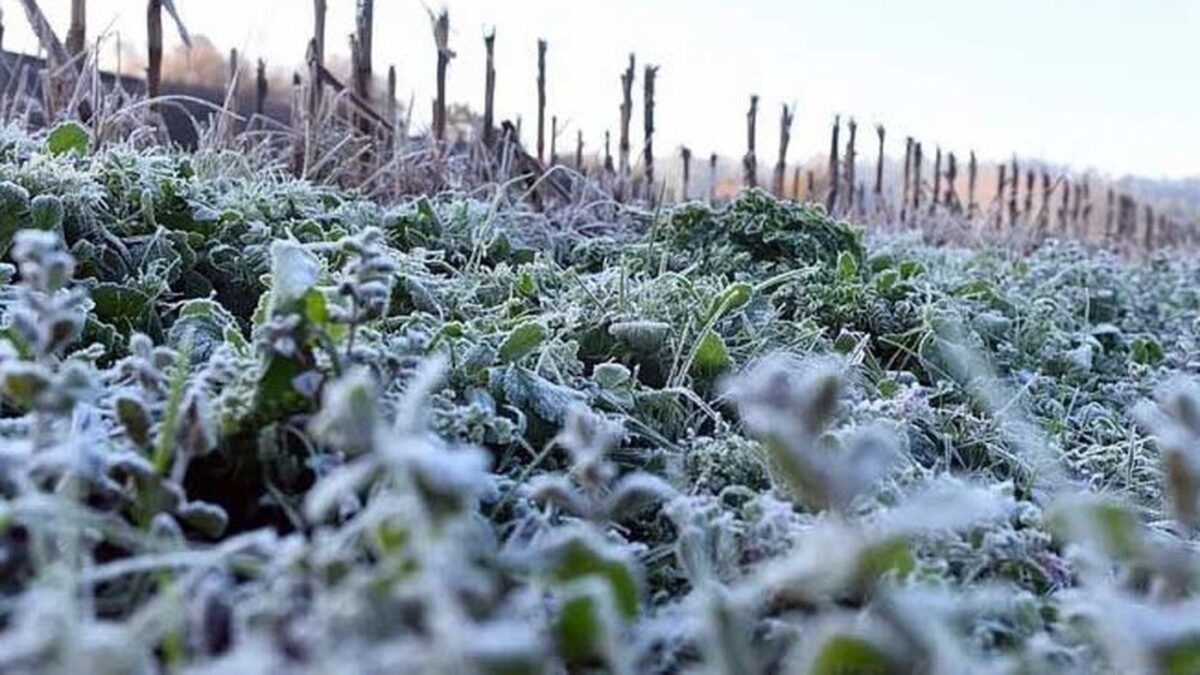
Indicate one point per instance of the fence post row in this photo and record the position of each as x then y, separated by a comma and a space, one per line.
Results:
844, 192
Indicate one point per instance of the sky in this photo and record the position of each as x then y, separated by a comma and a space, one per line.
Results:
1111, 86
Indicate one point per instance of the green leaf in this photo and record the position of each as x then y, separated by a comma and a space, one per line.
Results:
892, 555
206, 324
580, 557
734, 297
641, 336
46, 212
521, 342
525, 285
842, 654
910, 269
712, 356
209, 519
1182, 658
1146, 350
14, 202
67, 137
125, 308
847, 266
580, 629
886, 280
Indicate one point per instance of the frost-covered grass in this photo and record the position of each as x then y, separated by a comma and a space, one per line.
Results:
254, 426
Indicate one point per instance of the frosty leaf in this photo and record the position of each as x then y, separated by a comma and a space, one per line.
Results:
294, 271
641, 336
581, 555
847, 266
124, 307
611, 375
527, 390
134, 419
844, 653
208, 518
341, 483
557, 490
712, 357
586, 623
348, 419
635, 492
736, 296
46, 212
1145, 350
889, 556
945, 506
67, 137
14, 200
1108, 526
521, 342
205, 324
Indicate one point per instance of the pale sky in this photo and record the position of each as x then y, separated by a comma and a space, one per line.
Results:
1110, 85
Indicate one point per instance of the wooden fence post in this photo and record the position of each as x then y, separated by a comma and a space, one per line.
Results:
260, 88
1076, 205
579, 152
316, 58
541, 100
951, 195
1064, 208
489, 90
916, 186
153, 47
553, 140
686, 156
835, 167
1043, 220
750, 161
441, 38
937, 180
1087, 201
392, 109
608, 160
298, 105
1110, 213
880, 132
810, 188
649, 75
1001, 184
1148, 243
785, 138
626, 116
77, 33
851, 164
796, 184
712, 178
905, 190
972, 176
1014, 194
1028, 207
364, 19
